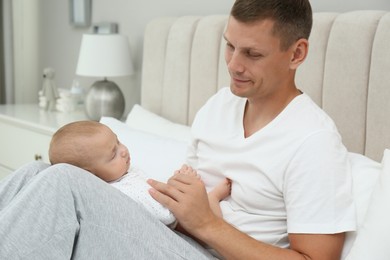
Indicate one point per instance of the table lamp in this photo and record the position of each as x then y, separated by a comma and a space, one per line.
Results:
104, 55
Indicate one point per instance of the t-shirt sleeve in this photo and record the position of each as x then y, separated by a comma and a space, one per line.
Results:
318, 187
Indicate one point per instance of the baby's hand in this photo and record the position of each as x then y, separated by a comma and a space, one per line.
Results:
185, 169
223, 189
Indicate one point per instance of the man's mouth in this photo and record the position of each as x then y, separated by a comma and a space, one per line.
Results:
239, 80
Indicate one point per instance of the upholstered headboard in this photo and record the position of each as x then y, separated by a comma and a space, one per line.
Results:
347, 71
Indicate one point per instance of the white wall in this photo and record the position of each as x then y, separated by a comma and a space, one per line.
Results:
8, 50
26, 51
60, 42
349, 5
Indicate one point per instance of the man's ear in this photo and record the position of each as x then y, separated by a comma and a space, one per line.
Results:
299, 53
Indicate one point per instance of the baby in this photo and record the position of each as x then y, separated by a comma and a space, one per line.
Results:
92, 146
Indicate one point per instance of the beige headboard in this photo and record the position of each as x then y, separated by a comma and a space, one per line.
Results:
347, 71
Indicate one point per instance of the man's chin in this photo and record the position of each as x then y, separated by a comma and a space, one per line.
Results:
237, 90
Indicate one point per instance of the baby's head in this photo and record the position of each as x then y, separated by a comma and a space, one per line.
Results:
92, 146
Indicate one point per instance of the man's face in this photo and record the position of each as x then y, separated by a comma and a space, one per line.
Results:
257, 66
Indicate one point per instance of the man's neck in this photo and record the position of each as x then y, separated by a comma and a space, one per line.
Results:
259, 113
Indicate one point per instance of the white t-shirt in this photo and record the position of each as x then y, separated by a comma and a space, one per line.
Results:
134, 185
292, 176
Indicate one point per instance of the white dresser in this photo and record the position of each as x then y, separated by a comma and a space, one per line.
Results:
25, 133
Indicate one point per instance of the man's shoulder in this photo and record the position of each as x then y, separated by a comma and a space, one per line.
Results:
223, 94
315, 114
222, 97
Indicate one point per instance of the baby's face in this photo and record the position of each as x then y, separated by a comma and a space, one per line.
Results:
112, 158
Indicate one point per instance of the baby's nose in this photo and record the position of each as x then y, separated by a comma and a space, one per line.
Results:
124, 152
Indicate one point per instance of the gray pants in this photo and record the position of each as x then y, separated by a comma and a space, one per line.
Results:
63, 212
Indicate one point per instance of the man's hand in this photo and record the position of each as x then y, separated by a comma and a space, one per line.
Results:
185, 195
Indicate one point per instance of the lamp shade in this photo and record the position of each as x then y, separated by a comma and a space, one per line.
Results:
104, 55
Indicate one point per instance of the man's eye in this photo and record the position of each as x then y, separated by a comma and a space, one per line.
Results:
229, 46
254, 54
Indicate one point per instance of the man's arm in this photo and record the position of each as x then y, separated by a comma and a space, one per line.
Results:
186, 197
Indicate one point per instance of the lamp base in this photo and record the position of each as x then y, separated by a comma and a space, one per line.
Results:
104, 98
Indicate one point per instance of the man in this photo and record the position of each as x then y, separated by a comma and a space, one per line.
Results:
290, 196
290, 188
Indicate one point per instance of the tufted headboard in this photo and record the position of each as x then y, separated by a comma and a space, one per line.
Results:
347, 71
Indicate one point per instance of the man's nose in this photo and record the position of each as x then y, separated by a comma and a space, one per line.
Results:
234, 63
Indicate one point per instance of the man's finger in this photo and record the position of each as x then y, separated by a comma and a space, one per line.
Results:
162, 194
185, 178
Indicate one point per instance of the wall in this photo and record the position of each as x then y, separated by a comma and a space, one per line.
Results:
8, 51
60, 42
26, 52
349, 5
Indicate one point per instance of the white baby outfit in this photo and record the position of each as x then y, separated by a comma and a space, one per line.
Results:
134, 185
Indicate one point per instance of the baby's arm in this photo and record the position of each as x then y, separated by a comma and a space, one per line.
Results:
221, 191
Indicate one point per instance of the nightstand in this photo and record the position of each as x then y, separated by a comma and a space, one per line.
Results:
26, 131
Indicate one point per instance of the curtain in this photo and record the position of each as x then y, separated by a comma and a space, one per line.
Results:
2, 57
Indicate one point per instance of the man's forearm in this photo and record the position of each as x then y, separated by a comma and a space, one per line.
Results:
233, 244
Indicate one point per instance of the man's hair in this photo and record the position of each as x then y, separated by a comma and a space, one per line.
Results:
68, 144
293, 18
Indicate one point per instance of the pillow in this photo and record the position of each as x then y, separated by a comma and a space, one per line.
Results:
157, 156
142, 119
365, 173
372, 237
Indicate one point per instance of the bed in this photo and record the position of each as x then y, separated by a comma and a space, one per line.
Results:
347, 73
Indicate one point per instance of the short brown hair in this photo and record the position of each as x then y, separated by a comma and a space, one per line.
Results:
293, 18
68, 143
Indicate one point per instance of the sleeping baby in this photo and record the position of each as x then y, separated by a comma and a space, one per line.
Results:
93, 147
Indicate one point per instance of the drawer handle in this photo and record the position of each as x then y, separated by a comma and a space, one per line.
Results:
38, 157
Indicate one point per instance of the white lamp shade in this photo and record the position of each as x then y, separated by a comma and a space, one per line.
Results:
104, 55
